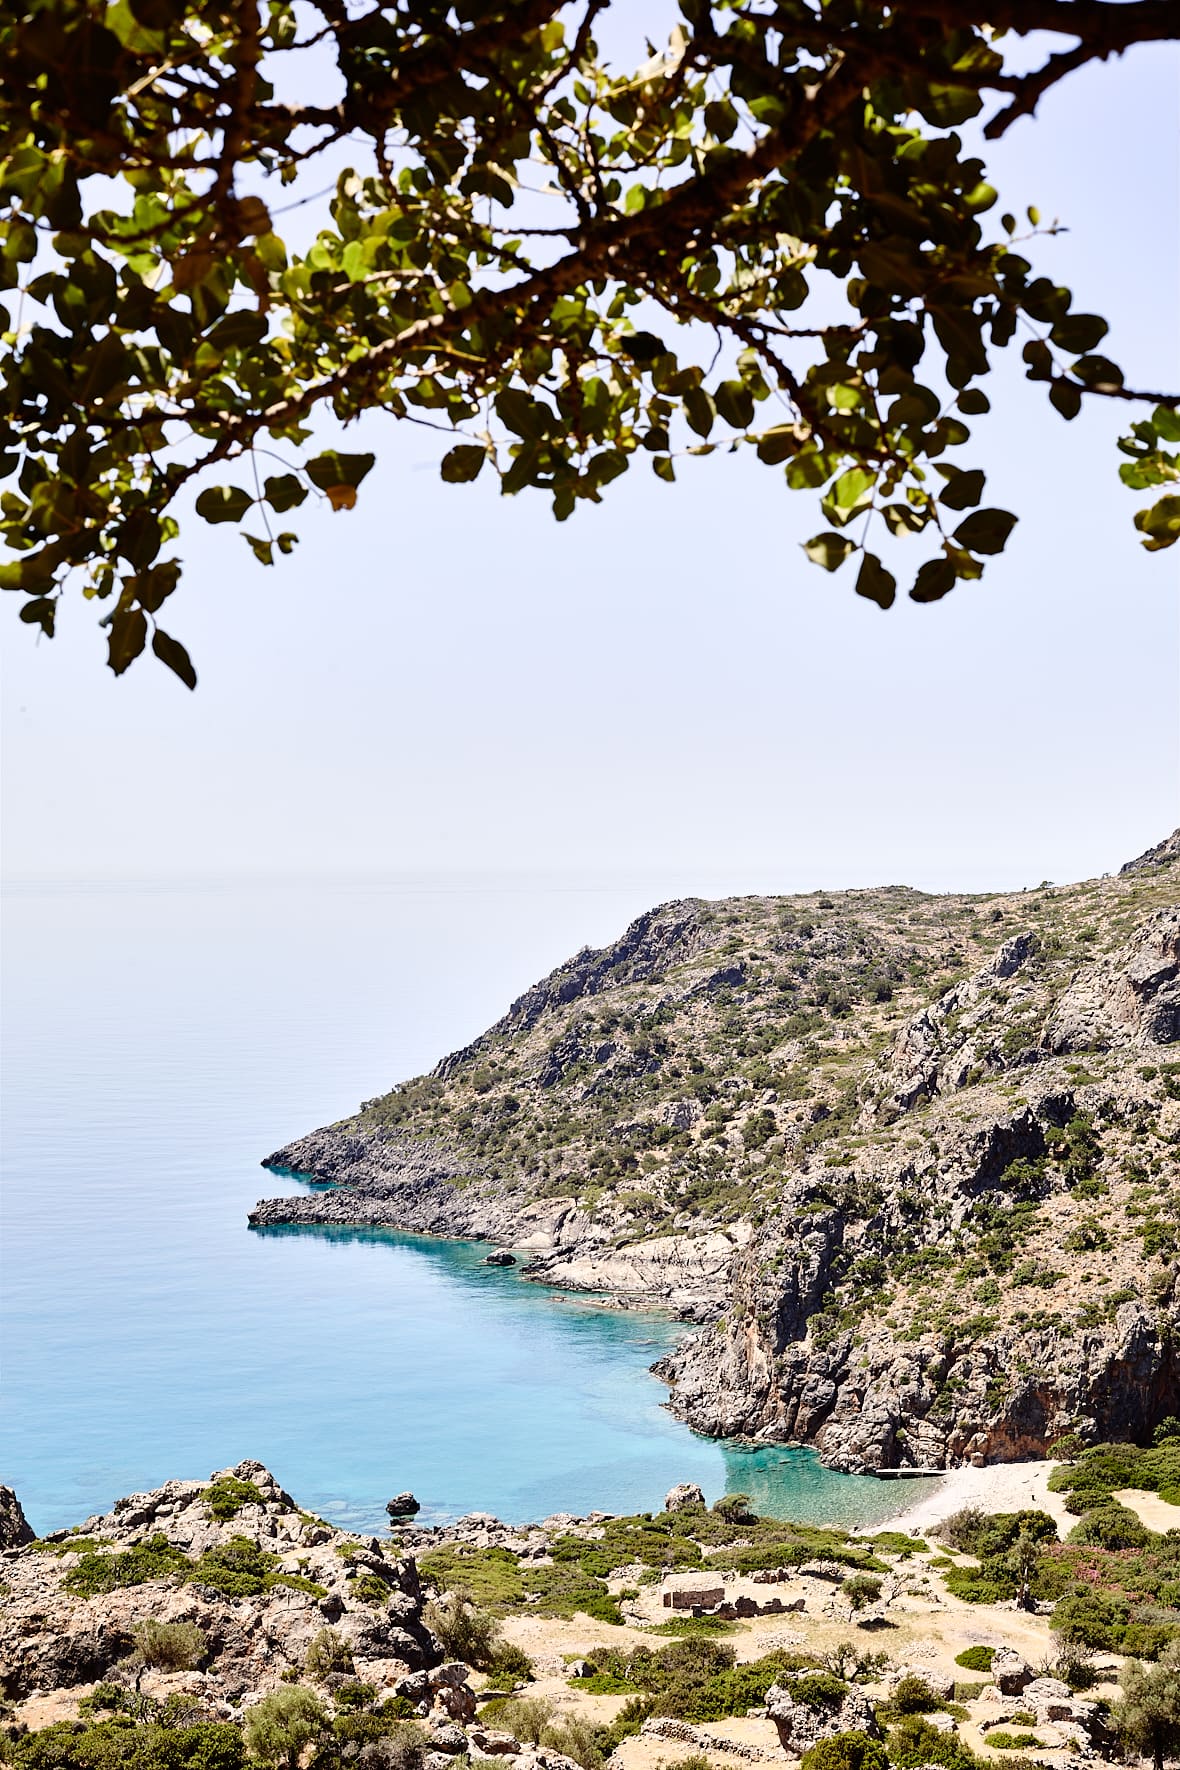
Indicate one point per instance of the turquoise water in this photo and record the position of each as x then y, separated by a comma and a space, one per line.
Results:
159, 1041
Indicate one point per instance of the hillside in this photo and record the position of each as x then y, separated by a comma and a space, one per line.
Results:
911, 1158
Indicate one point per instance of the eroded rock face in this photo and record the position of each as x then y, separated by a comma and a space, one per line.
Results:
52, 1637
15, 1528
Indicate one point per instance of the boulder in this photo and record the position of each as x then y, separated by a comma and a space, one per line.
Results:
501, 1257
15, 1529
402, 1505
686, 1496
1009, 1672
493, 1744
800, 1726
1049, 1699
445, 1736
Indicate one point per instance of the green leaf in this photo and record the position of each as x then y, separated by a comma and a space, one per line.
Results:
852, 489
828, 549
171, 652
127, 638
263, 551
933, 581
947, 106
1160, 525
874, 582
463, 463
1166, 423
986, 531
1098, 371
735, 403
778, 444
40, 612
1066, 396
330, 471
1079, 332
903, 519
284, 491
963, 489
223, 504
699, 410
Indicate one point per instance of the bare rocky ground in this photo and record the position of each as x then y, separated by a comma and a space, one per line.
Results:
913, 1160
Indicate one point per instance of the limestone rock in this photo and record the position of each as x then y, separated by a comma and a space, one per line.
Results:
15, 1528
52, 1637
1009, 1672
686, 1496
799, 1726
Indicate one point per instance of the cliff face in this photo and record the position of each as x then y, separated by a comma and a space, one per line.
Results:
913, 1159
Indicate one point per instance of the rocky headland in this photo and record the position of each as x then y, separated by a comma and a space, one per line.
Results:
913, 1160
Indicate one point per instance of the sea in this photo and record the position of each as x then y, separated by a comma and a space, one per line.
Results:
159, 1039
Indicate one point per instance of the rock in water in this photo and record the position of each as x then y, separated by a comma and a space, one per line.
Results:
15, 1529
684, 1497
501, 1257
403, 1505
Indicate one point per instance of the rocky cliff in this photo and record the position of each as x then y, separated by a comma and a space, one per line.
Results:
913, 1159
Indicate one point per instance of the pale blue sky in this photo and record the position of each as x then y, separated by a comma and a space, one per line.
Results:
662, 686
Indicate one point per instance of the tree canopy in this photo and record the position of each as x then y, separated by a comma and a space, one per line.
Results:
770, 235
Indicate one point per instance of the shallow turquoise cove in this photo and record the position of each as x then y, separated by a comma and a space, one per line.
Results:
158, 1041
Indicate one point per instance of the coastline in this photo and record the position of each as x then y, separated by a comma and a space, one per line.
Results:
997, 1487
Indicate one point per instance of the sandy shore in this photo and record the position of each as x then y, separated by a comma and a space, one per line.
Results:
1000, 1487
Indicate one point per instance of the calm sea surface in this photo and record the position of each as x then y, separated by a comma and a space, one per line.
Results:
158, 1041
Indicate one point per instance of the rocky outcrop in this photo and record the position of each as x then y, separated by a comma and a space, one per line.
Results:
801, 1725
905, 1159
71, 1603
15, 1528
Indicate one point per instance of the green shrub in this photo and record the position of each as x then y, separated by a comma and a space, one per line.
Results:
121, 1745
694, 1625
403, 1745
914, 1696
98, 1572
1111, 1526
892, 1542
238, 1568
169, 1647
846, 1751
465, 1632
510, 1664
1085, 1617
627, 1722
976, 1659
369, 1588
1001, 1741
279, 1728
817, 1690
328, 1655
914, 1742
227, 1495
734, 1507
861, 1589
